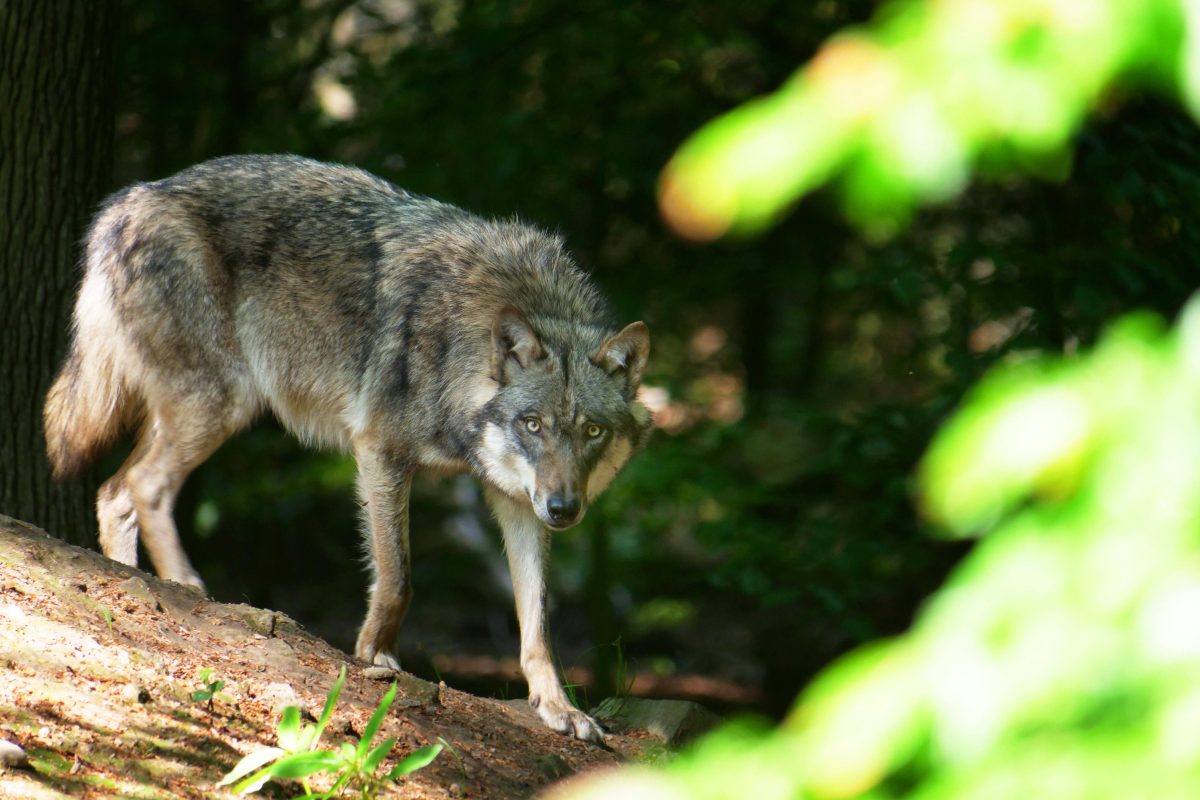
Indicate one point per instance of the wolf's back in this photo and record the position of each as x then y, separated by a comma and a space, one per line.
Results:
316, 290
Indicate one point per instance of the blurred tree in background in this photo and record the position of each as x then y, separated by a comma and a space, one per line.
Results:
797, 378
57, 63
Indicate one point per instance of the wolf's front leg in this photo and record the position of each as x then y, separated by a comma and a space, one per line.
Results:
383, 484
527, 542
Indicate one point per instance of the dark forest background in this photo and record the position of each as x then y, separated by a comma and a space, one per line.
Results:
797, 378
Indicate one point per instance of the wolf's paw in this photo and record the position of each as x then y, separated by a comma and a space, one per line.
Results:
386, 660
190, 578
561, 716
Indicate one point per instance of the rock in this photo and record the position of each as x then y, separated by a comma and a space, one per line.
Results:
260, 620
134, 693
413, 691
417, 692
380, 673
279, 696
263, 623
11, 755
674, 722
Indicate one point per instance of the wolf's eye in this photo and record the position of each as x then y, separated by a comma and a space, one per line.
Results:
593, 431
533, 424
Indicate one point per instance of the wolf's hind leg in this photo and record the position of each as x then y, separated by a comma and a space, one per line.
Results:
116, 514
174, 442
118, 520
383, 484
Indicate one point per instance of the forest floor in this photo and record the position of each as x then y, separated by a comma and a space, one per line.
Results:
98, 663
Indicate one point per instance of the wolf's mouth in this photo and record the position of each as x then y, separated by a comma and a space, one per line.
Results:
559, 524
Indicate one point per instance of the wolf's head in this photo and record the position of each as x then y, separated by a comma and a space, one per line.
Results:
564, 420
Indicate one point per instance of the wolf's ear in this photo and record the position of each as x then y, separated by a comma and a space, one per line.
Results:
624, 354
513, 340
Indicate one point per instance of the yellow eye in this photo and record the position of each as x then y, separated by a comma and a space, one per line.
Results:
533, 424
593, 430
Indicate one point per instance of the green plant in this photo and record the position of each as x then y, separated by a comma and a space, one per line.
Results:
623, 678
297, 756
462, 767
572, 695
570, 687
211, 687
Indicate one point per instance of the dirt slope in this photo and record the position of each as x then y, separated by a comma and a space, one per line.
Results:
98, 662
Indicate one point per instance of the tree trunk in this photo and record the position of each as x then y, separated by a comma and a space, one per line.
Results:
57, 69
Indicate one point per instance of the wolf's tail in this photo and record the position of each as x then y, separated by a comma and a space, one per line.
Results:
87, 402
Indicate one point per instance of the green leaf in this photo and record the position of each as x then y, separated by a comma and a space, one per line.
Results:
861, 717
213, 688
254, 782
415, 761
1023, 430
250, 763
201, 695
206, 675
301, 765
289, 730
307, 738
376, 756
376, 720
330, 702
332, 791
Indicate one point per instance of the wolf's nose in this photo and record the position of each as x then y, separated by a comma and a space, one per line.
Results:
562, 507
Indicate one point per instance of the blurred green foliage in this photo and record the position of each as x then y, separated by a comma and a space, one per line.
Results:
902, 112
1061, 659
768, 526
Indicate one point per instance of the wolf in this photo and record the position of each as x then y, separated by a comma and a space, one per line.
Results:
407, 331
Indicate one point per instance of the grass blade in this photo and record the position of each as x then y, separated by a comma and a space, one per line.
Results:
301, 765
330, 702
254, 782
415, 761
376, 756
289, 730
296, 765
250, 763
376, 720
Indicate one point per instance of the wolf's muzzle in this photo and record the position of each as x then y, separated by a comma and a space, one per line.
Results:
563, 508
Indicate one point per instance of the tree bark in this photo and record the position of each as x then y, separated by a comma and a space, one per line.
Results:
57, 87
